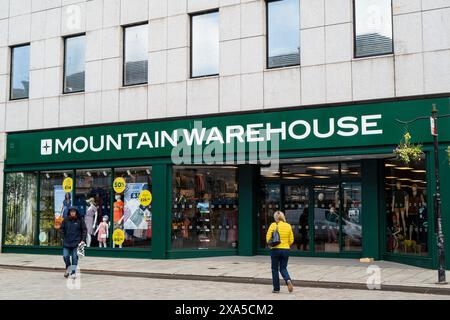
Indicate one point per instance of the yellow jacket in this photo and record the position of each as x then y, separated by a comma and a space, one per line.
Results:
286, 235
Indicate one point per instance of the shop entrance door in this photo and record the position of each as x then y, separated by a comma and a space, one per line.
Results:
313, 211
325, 217
296, 206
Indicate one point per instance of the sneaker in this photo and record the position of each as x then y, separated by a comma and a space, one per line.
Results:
275, 291
73, 276
290, 286
66, 274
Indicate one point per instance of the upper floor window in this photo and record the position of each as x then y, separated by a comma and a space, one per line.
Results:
74, 64
205, 44
136, 55
20, 72
283, 31
373, 27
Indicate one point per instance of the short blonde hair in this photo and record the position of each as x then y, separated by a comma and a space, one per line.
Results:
279, 216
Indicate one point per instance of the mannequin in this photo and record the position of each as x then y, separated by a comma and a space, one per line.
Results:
118, 214
89, 219
416, 201
103, 232
400, 205
320, 199
67, 202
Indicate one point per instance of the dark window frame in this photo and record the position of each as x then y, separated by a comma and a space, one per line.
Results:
64, 63
124, 37
355, 56
11, 66
267, 40
191, 16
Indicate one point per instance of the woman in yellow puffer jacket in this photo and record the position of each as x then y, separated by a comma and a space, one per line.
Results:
280, 254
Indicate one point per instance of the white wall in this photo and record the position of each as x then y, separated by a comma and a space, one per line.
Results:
329, 74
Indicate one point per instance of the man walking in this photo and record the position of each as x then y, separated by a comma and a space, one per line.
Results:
74, 233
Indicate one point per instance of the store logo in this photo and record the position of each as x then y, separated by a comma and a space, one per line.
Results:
46, 147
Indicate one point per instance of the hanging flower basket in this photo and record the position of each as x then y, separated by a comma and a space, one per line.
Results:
408, 152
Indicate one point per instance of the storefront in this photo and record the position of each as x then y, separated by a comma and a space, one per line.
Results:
210, 185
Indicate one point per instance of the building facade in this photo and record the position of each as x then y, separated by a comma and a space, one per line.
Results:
186, 124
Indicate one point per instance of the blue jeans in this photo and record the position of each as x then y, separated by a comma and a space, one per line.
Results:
280, 258
70, 253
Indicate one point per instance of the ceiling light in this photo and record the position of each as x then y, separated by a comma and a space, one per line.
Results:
303, 175
322, 177
419, 171
148, 171
88, 174
389, 165
391, 177
318, 168
47, 175
403, 168
404, 179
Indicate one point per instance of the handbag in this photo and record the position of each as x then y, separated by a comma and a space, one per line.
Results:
275, 238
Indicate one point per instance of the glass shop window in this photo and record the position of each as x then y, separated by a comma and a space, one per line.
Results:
406, 208
20, 208
93, 198
132, 215
55, 199
204, 207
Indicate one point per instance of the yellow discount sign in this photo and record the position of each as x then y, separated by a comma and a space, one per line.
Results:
68, 184
119, 185
145, 198
118, 237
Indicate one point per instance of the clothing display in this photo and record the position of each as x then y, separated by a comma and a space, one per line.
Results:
89, 218
66, 205
415, 203
102, 231
399, 198
118, 210
204, 208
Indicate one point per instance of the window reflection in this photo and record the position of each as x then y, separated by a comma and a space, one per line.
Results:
136, 55
74, 66
20, 73
283, 33
205, 44
373, 27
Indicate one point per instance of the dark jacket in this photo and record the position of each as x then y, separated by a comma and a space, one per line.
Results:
73, 231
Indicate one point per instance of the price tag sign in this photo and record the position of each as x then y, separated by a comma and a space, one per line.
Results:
118, 237
119, 185
68, 185
145, 198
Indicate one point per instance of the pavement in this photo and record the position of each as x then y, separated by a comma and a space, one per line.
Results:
305, 271
40, 285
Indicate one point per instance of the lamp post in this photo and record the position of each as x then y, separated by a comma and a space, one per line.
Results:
437, 196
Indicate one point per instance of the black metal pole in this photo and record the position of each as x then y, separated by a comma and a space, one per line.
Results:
437, 201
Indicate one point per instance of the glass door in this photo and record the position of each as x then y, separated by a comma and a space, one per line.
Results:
326, 218
296, 209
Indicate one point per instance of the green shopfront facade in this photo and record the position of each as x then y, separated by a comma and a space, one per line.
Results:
216, 181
